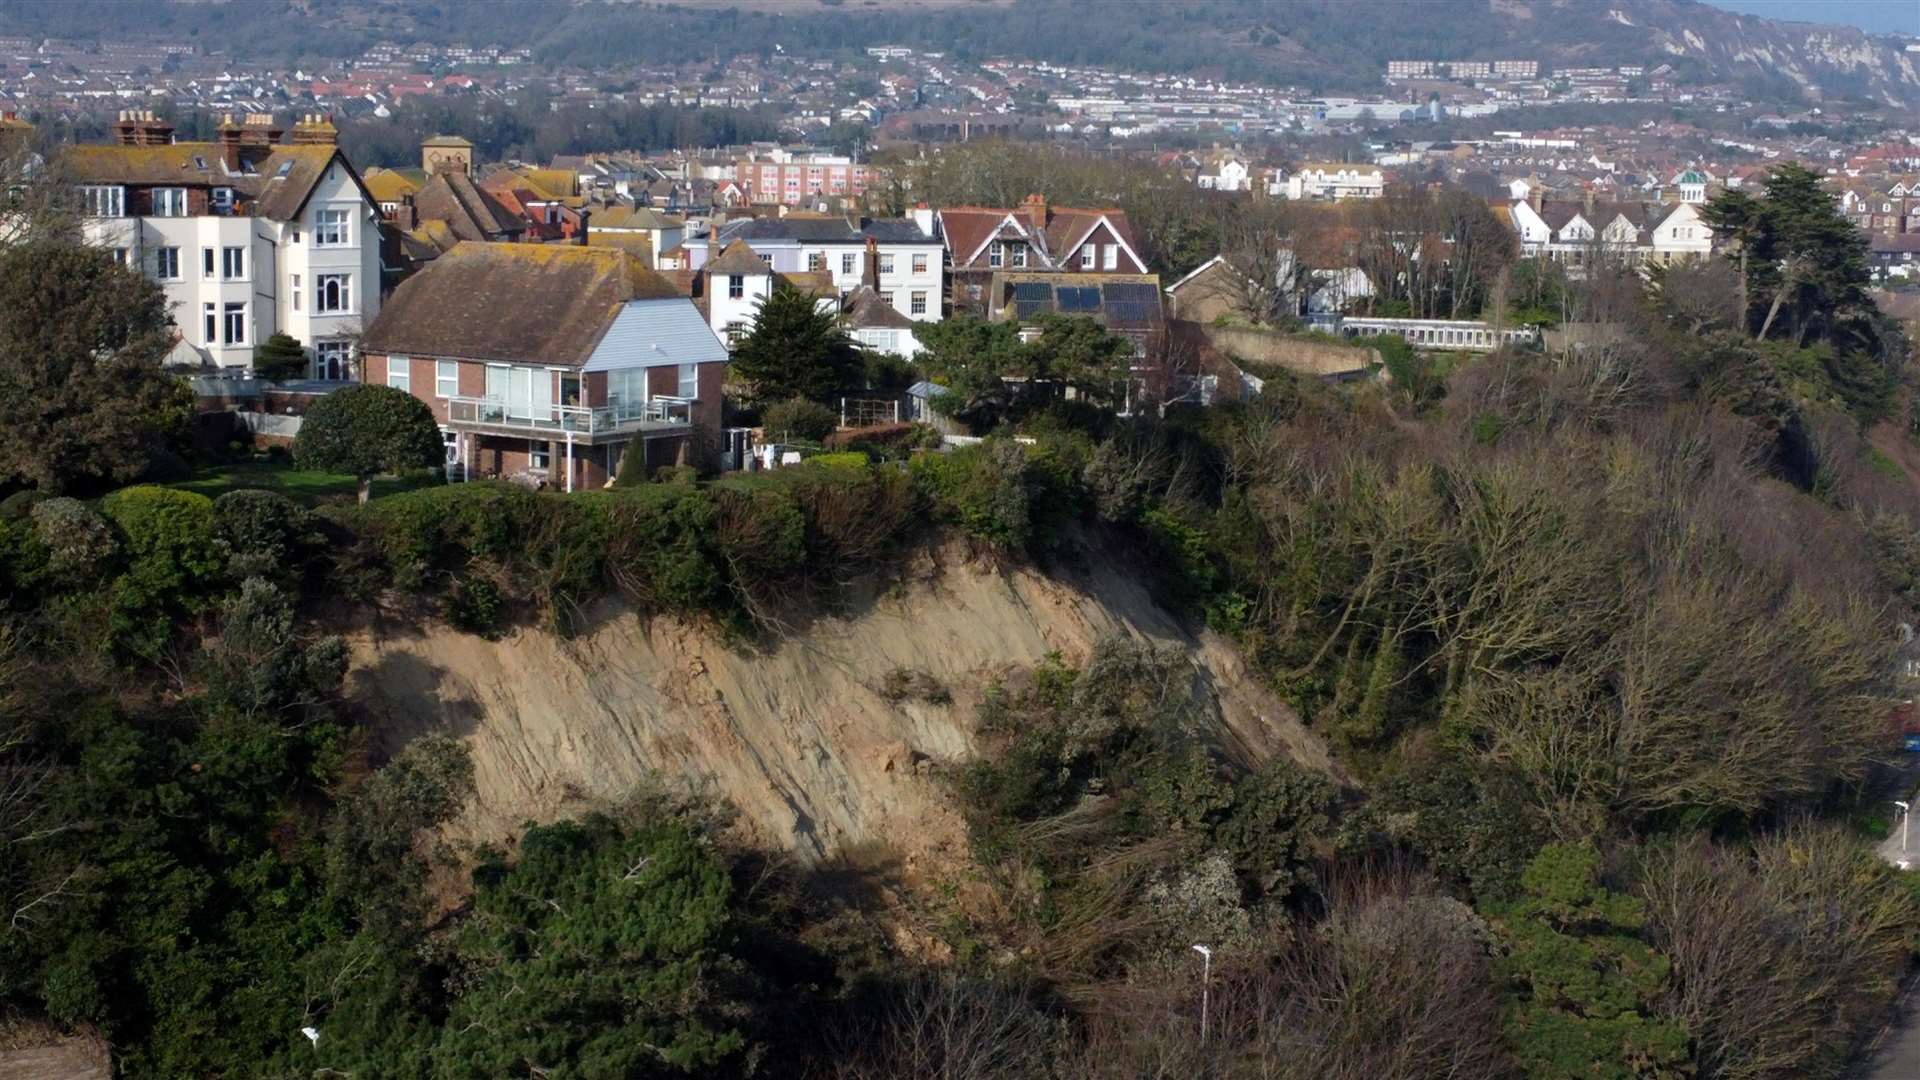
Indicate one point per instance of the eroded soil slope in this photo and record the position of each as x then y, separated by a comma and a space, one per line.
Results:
796, 733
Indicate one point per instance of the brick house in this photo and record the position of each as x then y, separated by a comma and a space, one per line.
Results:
547, 361
1032, 238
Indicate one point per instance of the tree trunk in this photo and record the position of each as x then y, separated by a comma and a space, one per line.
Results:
366, 489
1779, 298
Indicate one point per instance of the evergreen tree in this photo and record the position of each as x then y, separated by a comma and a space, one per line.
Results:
796, 350
83, 401
1585, 983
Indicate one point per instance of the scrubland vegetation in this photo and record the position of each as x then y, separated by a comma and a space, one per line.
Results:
1605, 641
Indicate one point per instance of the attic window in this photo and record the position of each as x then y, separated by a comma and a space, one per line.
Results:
199, 162
285, 168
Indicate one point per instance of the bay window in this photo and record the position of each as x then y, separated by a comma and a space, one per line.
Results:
332, 361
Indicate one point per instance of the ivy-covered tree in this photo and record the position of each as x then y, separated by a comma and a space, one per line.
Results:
367, 430
796, 350
83, 401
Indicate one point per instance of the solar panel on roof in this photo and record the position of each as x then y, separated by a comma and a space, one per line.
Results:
1131, 292
1079, 298
1131, 312
1027, 309
1028, 292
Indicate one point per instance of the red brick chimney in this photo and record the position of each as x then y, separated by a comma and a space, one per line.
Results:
228, 136
870, 265
1034, 208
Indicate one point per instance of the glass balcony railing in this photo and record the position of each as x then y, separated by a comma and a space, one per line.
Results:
581, 420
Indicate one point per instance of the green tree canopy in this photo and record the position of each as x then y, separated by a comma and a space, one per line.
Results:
1586, 984
994, 376
83, 401
796, 350
364, 430
1800, 256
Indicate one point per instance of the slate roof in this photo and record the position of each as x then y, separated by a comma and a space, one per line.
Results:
737, 258
866, 309
518, 303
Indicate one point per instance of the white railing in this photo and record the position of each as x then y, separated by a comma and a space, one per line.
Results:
581, 420
1456, 334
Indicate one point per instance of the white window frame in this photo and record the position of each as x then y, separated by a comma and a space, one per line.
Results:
446, 378
332, 361
1086, 257
886, 264
104, 200
996, 253
736, 332
689, 382
210, 323
816, 260
170, 202
846, 264
917, 302
402, 379
295, 292
1110, 256
207, 263
920, 263
332, 227
166, 264
233, 324
343, 294
233, 264
736, 286
539, 455
1019, 254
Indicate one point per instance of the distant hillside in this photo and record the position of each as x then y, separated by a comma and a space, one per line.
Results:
1325, 44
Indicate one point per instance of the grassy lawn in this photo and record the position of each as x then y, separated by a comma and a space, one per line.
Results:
307, 488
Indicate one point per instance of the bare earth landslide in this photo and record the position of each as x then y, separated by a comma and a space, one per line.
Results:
796, 734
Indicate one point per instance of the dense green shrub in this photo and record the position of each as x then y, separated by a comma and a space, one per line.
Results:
79, 541
266, 532
798, 420
983, 489
174, 559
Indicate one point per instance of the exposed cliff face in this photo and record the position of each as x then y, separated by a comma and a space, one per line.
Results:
797, 735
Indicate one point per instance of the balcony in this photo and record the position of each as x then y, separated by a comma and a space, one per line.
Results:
580, 423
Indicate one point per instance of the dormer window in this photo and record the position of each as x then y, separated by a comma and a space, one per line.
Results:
104, 200
199, 162
996, 254
285, 168
1019, 253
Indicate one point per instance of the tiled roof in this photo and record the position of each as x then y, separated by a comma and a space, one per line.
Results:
451, 196
525, 303
388, 185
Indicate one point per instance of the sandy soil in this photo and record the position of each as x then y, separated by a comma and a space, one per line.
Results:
797, 734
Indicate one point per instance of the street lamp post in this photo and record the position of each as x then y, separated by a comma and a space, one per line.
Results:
1206, 980
1903, 824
